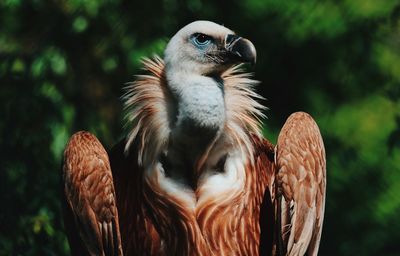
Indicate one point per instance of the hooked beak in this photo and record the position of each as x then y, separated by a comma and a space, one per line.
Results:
240, 49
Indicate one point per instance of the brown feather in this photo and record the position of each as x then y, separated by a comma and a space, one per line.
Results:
301, 177
224, 224
158, 216
90, 196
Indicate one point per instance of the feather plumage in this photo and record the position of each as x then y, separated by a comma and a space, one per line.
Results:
301, 177
249, 198
90, 196
148, 107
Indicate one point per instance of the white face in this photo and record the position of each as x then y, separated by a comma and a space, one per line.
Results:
205, 48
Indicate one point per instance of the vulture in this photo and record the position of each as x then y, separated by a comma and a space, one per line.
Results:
194, 175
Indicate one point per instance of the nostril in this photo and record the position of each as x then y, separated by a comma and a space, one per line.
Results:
230, 40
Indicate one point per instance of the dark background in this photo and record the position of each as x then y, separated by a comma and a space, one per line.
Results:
63, 65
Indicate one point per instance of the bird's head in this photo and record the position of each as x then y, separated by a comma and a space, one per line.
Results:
206, 48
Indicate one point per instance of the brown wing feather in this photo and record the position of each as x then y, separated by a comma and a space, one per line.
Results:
90, 196
301, 179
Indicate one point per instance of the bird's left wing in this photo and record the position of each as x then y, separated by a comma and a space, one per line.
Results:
91, 215
301, 184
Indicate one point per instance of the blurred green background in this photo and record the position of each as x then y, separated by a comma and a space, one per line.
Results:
63, 65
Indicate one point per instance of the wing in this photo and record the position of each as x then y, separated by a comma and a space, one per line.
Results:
301, 180
91, 216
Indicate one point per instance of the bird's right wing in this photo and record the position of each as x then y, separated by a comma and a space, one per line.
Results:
91, 215
301, 183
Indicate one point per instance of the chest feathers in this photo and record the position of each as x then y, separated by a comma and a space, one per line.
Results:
197, 155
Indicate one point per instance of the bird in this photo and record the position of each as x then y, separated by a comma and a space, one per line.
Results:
194, 174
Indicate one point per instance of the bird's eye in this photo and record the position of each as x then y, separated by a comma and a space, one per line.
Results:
201, 39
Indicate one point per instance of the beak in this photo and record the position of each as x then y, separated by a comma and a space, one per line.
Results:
240, 49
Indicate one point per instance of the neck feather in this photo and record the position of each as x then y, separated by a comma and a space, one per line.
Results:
158, 106
200, 119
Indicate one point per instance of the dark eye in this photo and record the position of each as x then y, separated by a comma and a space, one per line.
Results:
201, 39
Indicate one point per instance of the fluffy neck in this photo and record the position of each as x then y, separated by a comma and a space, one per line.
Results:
199, 106
151, 111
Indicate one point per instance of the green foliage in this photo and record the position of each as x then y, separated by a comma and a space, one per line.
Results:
63, 65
